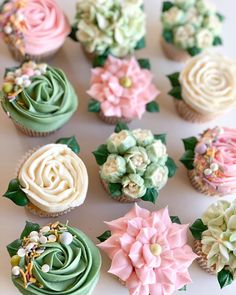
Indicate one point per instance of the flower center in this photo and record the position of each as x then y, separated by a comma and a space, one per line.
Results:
126, 82
156, 249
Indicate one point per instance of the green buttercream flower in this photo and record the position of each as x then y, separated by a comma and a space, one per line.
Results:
157, 152
173, 17
194, 18
156, 176
113, 169
184, 36
205, 7
120, 142
213, 23
133, 186
205, 38
184, 4
137, 160
143, 137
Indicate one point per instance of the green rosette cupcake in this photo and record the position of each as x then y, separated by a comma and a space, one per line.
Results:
54, 259
134, 165
189, 27
38, 98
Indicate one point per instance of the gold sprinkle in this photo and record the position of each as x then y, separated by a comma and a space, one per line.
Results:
32, 280
24, 278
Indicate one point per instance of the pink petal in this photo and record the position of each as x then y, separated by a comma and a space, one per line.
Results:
118, 225
177, 235
121, 266
134, 225
126, 242
182, 278
96, 92
111, 245
135, 286
136, 254
163, 216
137, 211
146, 234
146, 275
110, 110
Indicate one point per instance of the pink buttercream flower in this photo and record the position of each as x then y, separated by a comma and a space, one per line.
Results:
149, 252
122, 88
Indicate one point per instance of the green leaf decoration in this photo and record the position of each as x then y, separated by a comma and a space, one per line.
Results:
190, 143
175, 219
197, 228
144, 63
106, 235
168, 35
99, 60
73, 32
176, 92
101, 154
217, 41
161, 137
184, 288
194, 51
151, 195
29, 227
14, 247
16, 194
221, 17
174, 79
71, 142
170, 163
121, 126
225, 278
188, 159
167, 5
115, 189
94, 106
152, 107
141, 44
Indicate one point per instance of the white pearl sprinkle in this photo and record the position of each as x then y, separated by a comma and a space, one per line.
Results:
214, 167
66, 238
19, 81
26, 83
33, 234
37, 73
18, 73
34, 239
25, 77
7, 30
30, 246
21, 252
45, 268
43, 240
40, 251
45, 229
52, 238
15, 271
208, 172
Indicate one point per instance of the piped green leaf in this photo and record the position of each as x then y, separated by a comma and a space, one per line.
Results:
175, 219
101, 154
152, 107
71, 142
94, 106
167, 5
217, 41
221, 17
99, 60
197, 228
14, 247
161, 137
141, 44
225, 278
73, 32
144, 63
190, 143
194, 51
29, 227
168, 35
176, 92
188, 159
16, 194
184, 288
170, 163
115, 189
106, 235
121, 126
174, 79
151, 195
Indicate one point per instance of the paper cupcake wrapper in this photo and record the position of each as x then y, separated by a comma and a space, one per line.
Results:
173, 53
202, 258
112, 120
89, 55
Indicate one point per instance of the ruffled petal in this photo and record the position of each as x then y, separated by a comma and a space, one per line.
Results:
121, 266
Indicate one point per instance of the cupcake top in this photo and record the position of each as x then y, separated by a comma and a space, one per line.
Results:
207, 83
54, 259
116, 26
123, 88
149, 251
53, 178
38, 96
135, 163
213, 158
217, 230
192, 25
33, 26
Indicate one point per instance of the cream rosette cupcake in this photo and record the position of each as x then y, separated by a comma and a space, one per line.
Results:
51, 180
206, 87
134, 165
189, 27
33, 29
215, 241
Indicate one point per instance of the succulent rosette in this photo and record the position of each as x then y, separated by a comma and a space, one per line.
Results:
54, 259
122, 89
110, 27
149, 251
134, 164
215, 241
210, 161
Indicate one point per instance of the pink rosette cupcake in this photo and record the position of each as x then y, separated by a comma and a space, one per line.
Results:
211, 161
33, 29
149, 251
122, 90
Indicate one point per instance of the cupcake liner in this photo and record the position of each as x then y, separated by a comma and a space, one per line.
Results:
30, 132
90, 56
202, 258
173, 53
113, 120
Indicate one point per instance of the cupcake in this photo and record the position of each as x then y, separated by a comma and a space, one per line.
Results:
51, 180
214, 244
149, 251
54, 259
115, 27
189, 27
134, 164
38, 98
206, 87
122, 90
210, 161
33, 29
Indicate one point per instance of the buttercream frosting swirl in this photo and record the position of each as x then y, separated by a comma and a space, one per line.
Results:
54, 178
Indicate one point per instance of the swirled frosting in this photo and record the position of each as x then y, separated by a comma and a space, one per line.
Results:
54, 178
208, 83
46, 105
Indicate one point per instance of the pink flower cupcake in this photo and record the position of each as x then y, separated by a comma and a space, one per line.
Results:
211, 161
33, 29
149, 251
122, 90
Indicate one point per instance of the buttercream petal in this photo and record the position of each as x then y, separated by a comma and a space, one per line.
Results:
121, 266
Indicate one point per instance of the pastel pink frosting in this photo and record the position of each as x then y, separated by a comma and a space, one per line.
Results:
133, 261
117, 100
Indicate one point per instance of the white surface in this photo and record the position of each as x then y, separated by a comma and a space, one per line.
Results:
181, 198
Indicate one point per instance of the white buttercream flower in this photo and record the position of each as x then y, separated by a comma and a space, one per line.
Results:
205, 39
193, 17
156, 176
133, 186
113, 169
143, 137
157, 152
173, 17
184, 36
213, 24
184, 4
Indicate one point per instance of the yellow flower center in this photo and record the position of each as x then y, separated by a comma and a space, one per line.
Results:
126, 82
156, 249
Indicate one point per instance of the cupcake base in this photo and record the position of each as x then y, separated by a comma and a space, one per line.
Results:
30, 132
173, 53
202, 258
38, 212
112, 120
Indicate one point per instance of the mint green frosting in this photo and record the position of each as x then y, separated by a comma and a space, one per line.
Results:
46, 105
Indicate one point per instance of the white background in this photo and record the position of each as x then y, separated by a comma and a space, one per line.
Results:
181, 198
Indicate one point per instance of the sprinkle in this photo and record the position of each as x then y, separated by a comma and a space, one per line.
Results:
19, 81
18, 73
21, 252
52, 238
208, 172
40, 251
15, 260
26, 83
45, 268
33, 234
30, 246
37, 73
15, 271
201, 148
45, 229
43, 240
24, 278
34, 239
66, 238
214, 167
7, 30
